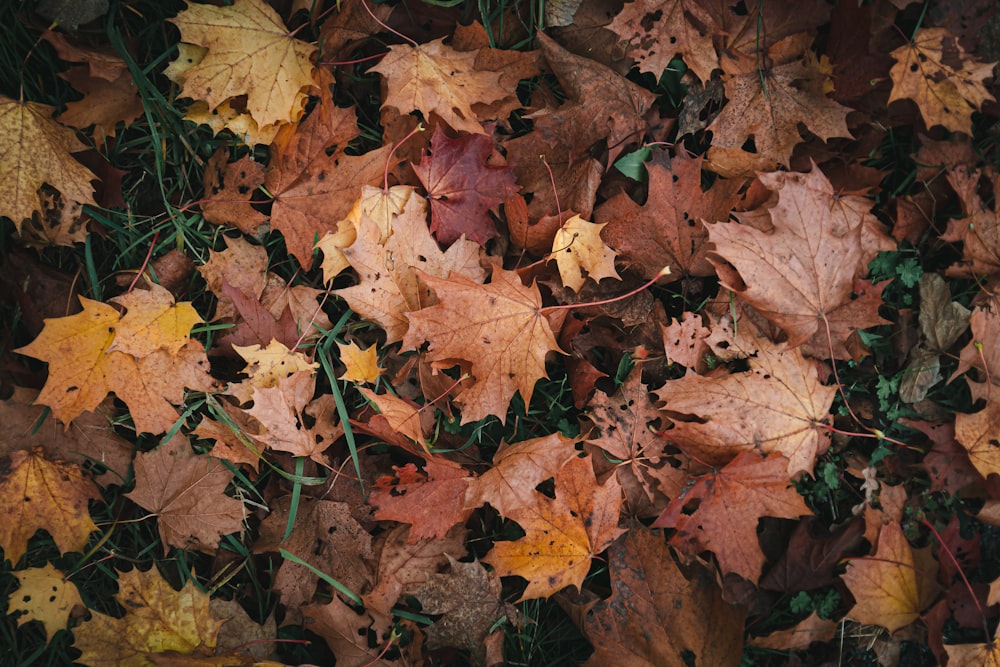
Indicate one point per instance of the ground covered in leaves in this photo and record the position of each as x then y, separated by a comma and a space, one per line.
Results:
648, 333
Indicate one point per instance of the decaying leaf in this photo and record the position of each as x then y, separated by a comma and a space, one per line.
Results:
45, 595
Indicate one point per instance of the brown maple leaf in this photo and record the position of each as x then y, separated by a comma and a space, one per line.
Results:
646, 582
657, 30
768, 97
498, 327
463, 186
668, 229
186, 493
979, 230
563, 534
313, 181
776, 406
947, 85
720, 511
430, 500
229, 189
635, 445
804, 268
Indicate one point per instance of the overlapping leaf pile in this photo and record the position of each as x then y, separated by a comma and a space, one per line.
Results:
468, 265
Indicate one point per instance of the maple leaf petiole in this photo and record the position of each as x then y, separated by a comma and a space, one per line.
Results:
665, 271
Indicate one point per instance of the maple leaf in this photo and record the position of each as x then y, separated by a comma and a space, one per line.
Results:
51, 495
563, 534
145, 357
90, 438
498, 327
430, 500
109, 92
509, 485
647, 583
577, 247
773, 407
979, 230
668, 229
768, 97
402, 416
186, 493
468, 598
280, 411
229, 189
463, 186
346, 632
804, 268
34, 151
728, 503
890, 588
157, 619
325, 535
247, 45
313, 181
389, 273
947, 85
404, 563
657, 30
45, 595
360, 366
626, 420
603, 106
978, 434
434, 78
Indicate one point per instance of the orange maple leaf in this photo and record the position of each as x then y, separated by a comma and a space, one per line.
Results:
51, 495
728, 503
146, 357
945, 91
563, 534
890, 589
498, 327
436, 78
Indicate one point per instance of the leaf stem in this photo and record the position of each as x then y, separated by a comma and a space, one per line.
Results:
665, 271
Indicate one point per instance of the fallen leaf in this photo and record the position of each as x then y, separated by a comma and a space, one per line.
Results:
577, 247
463, 186
799, 637
978, 434
430, 500
186, 493
360, 366
498, 327
157, 619
563, 534
389, 273
229, 190
146, 357
947, 85
468, 598
776, 406
347, 633
435, 78
280, 412
655, 31
41, 494
719, 512
888, 588
44, 595
693, 621
325, 535
978, 230
36, 150
247, 44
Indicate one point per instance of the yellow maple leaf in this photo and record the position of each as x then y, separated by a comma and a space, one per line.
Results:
39, 493
361, 365
436, 78
45, 595
945, 95
250, 52
157, 619
267, 366
145, 357
577, 247
35, 150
